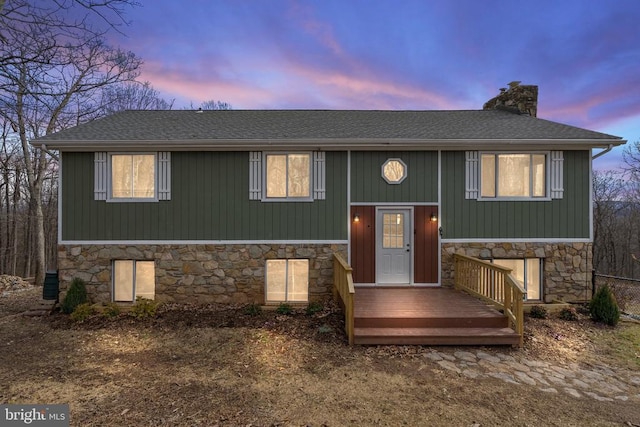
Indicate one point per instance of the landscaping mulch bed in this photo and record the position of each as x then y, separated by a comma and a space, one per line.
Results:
229, 366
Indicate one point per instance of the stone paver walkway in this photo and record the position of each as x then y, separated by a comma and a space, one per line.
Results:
597, 382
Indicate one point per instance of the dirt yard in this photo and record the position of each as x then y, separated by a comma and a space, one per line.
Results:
210, 366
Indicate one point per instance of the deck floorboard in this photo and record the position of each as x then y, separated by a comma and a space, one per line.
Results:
432, 316
419, 302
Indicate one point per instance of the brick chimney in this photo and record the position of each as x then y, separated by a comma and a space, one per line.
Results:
521, 99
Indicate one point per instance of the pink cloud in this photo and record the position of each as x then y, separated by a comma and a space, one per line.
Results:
180, 84
321, 31
597, 108
269, 83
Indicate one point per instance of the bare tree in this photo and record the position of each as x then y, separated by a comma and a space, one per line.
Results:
608, 204
133, 96
616, 197
215, 105
631, 157
54, 64
212, 105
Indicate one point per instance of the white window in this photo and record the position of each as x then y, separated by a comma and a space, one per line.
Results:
132, 176
514, 176
286, 176
287, 280
528, 272
393, 231
394, 171
133, 279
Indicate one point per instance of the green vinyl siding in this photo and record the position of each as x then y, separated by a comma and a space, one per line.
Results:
368, 186
209, 201
559, 218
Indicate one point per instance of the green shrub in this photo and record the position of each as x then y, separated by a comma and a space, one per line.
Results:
314, 307
111, 310
568, 313
284, 308
76, 295
82, 312
538, 312
253, 310
144, 308
604, 308
325, 329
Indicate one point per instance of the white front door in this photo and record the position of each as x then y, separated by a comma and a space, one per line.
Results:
393, 246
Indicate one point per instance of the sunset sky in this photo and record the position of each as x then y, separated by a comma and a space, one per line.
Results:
402, 55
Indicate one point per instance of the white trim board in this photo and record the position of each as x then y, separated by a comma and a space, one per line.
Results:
203, 242
394, 204
509, 240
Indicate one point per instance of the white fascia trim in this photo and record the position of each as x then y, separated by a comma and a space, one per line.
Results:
60, 171
439, 235
403, 204
508, 240
203, 242
349, 207
335, 144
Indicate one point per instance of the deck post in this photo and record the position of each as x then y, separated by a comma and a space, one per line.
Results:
343, 287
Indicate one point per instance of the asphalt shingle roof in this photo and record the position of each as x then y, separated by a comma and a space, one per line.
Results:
262, 125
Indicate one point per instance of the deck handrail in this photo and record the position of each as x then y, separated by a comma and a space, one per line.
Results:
494, 284
344, 289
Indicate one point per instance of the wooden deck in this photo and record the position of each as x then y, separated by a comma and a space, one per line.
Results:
427, 316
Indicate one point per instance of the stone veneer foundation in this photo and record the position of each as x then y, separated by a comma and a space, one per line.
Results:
199, 274
567, 266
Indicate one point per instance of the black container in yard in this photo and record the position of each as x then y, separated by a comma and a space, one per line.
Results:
51, 286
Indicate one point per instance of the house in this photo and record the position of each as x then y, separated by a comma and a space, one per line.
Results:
244, 206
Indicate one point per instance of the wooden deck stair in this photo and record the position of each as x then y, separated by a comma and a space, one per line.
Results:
427, 316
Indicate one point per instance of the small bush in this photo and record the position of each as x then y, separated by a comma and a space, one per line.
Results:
604, 308
253, 310
568, 313
76, 295
82, 312
314, 307
538, 312
111, 310
284, 308
144, 308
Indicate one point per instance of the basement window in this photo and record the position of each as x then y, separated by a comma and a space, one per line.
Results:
287, 280
133, 279
528, 272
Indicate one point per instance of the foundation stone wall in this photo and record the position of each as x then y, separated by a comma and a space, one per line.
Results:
201, 274
567, 266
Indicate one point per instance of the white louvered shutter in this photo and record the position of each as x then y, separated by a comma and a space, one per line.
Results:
557, 171
472, 175
319, 172
164, 175
255, 175
100, 176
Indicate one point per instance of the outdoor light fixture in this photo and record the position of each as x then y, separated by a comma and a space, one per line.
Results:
356, 217
433, 217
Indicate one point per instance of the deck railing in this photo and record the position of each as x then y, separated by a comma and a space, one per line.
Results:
343, 289
494, 284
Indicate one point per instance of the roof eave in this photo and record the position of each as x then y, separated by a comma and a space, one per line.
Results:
328, 144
